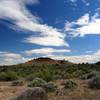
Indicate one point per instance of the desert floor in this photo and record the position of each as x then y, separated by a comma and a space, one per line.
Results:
83, 92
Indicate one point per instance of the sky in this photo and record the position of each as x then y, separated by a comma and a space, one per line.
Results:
59, 29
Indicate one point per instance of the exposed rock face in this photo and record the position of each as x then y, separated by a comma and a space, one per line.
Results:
36, 93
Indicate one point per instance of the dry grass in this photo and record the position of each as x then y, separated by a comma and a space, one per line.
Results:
83, 92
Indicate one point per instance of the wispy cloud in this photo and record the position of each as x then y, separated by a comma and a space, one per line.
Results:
85, 25
46, 51
46, 40
75, 2
9, 58
16, 12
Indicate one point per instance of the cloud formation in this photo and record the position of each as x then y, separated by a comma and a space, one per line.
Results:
16, 12
85, 25
84, 1
46, 51
92, 58
9, 58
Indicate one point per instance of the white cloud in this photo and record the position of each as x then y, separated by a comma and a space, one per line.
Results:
81, 58
75, 2
46, 41
46, 51
9, 58
16, 11
85, 25
49, 36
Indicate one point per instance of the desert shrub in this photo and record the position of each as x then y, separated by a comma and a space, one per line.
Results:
37, 82
56, 77
70, 84
8, 76
78, 73
71, 69
72, 72
46, 75
11, 75
31, 77
3, 76
95, 82
89, 75
50, 87
36, 93
72, 75
17, 83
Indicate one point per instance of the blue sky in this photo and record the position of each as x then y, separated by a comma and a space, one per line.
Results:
60, 29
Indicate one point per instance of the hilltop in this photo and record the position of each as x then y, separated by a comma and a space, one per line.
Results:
48, 61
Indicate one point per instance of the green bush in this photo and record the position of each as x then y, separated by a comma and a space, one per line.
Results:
8, 76
70, 84
3, 76
37, 82
95, 83
46, 75
50, 87
12, 75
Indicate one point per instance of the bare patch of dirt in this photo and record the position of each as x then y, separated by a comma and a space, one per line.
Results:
83, 92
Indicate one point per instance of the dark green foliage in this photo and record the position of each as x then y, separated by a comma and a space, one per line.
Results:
12, 75
3, 76
70, 84
95, 83
8, 76
46, 75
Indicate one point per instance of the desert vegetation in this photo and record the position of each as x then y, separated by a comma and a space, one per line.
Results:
51, 81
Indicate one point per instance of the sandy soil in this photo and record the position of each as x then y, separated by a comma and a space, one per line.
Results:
83, 92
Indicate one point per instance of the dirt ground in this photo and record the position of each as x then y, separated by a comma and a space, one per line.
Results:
83, 92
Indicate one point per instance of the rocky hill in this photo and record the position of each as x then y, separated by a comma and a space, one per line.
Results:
48, 61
